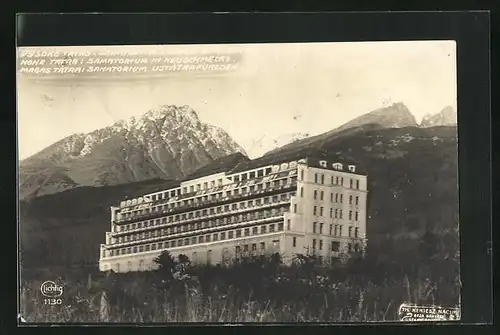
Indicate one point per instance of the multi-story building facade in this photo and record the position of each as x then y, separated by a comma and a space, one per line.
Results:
309, 206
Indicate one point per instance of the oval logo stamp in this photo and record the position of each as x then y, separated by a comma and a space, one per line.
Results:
51, 289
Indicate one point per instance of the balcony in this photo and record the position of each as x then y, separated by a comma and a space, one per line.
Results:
213, 216
223, 188
205, 204
208, 230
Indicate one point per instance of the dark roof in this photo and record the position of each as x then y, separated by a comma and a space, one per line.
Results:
222, 164
312, 156
345, 161
239, 163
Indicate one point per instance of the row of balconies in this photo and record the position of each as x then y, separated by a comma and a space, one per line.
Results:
215, 223
203, 218
213, 192
234, 225
209, 203
183, 241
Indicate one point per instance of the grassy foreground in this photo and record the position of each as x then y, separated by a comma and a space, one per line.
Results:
253, 290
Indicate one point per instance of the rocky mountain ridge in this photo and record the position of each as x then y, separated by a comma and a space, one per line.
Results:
170, 142
446, 117
167, 142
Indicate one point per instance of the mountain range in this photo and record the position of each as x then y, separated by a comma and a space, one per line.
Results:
412, 176
168, 142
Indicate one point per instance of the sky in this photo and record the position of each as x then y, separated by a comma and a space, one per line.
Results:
275, 90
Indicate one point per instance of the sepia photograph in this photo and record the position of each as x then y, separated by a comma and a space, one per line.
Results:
235, 183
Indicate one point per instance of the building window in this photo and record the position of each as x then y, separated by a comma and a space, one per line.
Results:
332, 180
321, 195
331, 229
335, 246
340, 214
315, 178
301, 174
271, 228
245, 248
350, 200
356, 216
314, 210
314, 227
356, 232
321, 211
357, 200
314, 244
207, 238
341, 198
320, 244
322, 178
230, 234
350, 215
350, 231
129, 266
262, 245
223, 235
321, 228
247, 231
336, 197
263, 229
288, 224
254, 246
337, 166
350, 183
238, 233
200, 239
294, 242
254, 231
340, 230
295, 208
215, 237
315, 194
280, 226
331, 212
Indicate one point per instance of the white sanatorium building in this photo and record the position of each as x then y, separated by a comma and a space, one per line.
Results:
308, 206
